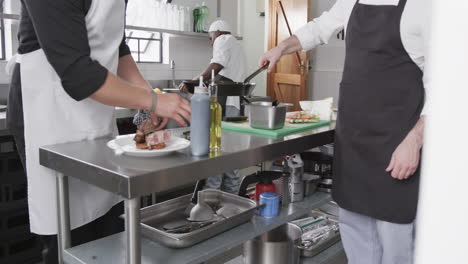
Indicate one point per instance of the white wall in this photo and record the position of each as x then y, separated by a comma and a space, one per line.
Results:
327, 61
229, 11
253, 33
191, 56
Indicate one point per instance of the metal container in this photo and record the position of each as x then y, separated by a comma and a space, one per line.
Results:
296, 181
328, 149
279, 246
263, 115
156, 217
320, 246
311, 183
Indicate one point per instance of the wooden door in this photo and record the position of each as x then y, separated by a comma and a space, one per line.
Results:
288, 81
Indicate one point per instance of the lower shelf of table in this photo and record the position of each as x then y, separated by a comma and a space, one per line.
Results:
112, 249
332, 255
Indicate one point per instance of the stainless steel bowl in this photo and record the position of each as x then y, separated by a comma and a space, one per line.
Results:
263, 115
279, 246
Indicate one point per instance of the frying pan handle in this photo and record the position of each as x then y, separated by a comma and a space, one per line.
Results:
264, 67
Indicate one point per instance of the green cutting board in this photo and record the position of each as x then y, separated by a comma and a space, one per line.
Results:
288, 129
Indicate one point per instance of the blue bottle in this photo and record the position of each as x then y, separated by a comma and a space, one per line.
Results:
200, 121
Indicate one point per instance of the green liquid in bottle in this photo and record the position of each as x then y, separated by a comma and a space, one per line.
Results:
215, 125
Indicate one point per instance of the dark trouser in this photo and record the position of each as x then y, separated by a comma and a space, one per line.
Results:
104, 226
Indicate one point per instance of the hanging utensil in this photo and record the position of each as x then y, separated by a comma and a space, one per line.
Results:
201, 212
194, 199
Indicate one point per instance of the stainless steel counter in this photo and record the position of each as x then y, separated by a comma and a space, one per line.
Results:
112, 249
131, 177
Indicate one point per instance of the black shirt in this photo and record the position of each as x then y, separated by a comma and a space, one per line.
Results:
59, 28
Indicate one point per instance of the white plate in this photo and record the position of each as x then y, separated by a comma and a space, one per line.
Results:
126, 145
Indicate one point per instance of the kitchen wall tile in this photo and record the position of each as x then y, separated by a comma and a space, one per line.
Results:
323, 84
190, 53
328, 58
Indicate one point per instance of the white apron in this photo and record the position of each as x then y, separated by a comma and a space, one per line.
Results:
51, 116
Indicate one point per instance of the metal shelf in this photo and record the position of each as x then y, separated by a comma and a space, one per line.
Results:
173, 32
332, 255
112, 249
169, 31
150, 29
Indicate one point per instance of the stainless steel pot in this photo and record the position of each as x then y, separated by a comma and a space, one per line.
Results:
263, 115
279, 246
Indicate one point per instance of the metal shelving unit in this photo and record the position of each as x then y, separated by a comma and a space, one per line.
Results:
112, 249
149, 29
132, 178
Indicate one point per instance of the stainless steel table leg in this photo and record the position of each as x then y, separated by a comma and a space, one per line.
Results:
132, 227
63, 215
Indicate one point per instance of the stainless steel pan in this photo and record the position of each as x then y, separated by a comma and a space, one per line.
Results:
230, 88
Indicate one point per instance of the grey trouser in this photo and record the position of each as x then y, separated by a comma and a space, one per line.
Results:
228, 182
370, 241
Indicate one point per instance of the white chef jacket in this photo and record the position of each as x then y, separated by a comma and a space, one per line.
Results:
227, 51
415, 30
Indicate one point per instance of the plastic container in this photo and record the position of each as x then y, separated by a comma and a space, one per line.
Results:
188, 19
204, 14
271, 202
200, 123
196, 17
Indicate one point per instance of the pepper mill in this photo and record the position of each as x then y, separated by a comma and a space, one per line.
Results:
296, 181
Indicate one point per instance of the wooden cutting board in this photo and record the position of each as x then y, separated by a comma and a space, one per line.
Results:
288, 129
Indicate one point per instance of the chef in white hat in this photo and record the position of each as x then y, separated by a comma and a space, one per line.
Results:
228, 63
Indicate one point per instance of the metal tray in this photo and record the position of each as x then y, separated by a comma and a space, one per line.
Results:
153, 219
323, 244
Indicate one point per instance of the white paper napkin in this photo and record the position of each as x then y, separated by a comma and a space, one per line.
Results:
322, 108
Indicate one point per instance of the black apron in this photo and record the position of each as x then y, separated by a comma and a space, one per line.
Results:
381, 98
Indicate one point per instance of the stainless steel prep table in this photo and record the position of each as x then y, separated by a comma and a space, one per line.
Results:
131, 178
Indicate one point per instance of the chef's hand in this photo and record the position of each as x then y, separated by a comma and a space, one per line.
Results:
290, 45
174, 107
272, 57
160, 123
405, 159
183, 88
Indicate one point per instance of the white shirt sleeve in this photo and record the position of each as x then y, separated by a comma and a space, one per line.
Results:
319, 31
426, 38
222, 51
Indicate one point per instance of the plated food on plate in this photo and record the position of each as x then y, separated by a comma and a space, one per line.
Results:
147, 137
302, 117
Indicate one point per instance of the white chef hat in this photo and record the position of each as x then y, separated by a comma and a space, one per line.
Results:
220, 25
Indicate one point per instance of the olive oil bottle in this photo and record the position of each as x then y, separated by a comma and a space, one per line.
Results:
216, 116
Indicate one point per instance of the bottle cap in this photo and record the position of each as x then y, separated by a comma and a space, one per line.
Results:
201, 88
212, 77
213, 89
